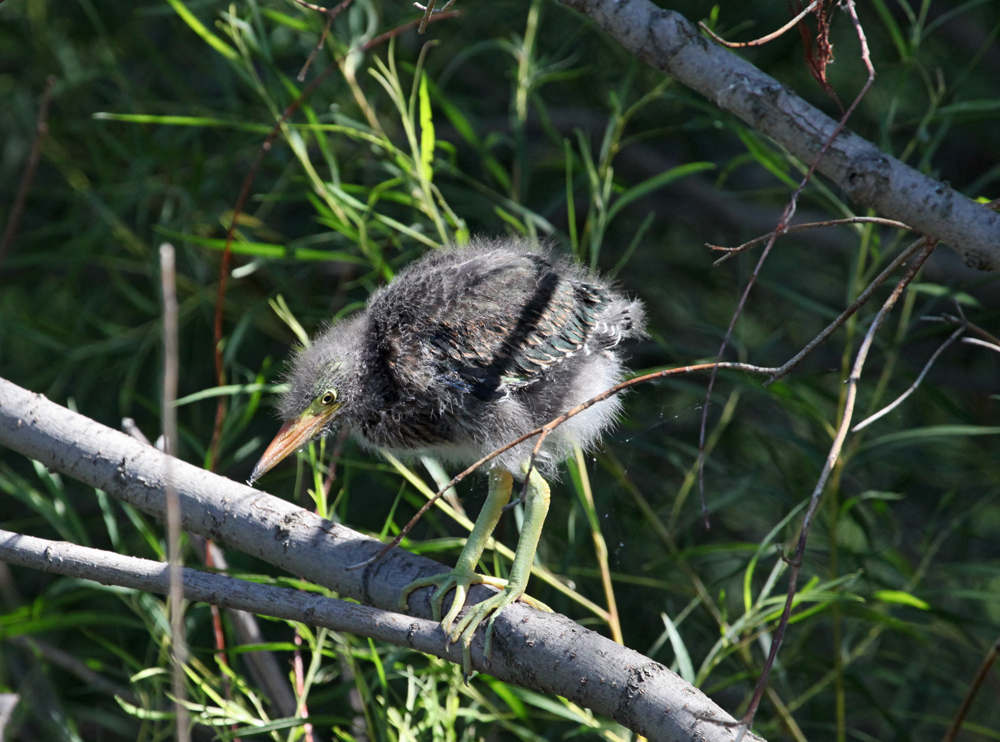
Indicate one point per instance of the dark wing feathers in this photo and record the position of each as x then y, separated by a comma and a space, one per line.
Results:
486, 321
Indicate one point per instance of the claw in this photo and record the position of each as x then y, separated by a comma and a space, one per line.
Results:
462, 633
464, 575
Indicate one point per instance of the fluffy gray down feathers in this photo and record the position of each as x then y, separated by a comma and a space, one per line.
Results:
469, 348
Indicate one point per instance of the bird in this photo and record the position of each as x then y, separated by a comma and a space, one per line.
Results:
464, 351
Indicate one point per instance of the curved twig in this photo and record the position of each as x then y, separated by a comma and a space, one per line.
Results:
763, 39
543, 432
795, 563
862, 299
913, 387
730, 251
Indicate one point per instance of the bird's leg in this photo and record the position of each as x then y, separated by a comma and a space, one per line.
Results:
536, 505
464, 574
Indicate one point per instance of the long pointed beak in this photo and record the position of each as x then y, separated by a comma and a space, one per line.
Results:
291, 437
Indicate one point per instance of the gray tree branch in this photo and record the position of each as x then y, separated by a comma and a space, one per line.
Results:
542, 651
669, 42
109, 568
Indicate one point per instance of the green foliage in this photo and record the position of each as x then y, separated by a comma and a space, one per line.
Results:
521, 119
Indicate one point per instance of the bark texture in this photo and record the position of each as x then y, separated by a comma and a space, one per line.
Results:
542, 651
669, 42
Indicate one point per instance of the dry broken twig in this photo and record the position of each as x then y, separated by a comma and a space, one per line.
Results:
862, 299
731, 251
763, 39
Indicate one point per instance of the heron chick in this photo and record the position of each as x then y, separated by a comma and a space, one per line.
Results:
464, 351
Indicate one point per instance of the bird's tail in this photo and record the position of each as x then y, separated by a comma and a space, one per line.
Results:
619, 320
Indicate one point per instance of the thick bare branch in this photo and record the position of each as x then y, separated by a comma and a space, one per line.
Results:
669, 42
543, 651
109, 568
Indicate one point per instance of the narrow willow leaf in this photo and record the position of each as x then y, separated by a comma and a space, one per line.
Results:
426, 131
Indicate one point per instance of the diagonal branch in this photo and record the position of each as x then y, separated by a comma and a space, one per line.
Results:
669, 42
543, 651
862, 299
796, 562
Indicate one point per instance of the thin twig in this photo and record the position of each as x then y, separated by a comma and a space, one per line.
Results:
178, 643
334, 11
429, 11
763, 39
977, 341
220, 410
831, 459
28, 177
847, 313
913, 387
110, 568
731, 251
972, 327
544, 431
986, 338
779, 230
330, 14
977, 682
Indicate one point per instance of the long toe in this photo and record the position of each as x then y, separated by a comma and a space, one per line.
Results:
461, 590
467, 626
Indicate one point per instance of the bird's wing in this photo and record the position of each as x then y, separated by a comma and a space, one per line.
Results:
486, 324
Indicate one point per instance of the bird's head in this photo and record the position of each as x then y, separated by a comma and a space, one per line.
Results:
322, 382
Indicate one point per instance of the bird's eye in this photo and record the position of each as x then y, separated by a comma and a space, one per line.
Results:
328, 398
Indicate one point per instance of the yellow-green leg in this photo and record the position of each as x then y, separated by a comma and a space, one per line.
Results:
536, 506
463, 576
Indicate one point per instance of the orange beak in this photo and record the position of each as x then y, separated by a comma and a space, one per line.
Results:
291, 437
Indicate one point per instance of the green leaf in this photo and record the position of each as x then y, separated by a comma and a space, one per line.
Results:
426, 131
936, 289
892, 28
263, 249
199, 28
657, 181
969, 107
511, 220
901, 598
920, 435
684, 666
228, 391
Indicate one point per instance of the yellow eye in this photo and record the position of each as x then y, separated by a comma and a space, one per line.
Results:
328, 398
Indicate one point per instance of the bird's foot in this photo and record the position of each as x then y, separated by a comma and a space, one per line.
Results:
465, 629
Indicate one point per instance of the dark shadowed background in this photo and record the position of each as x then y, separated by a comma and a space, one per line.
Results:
543, 127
